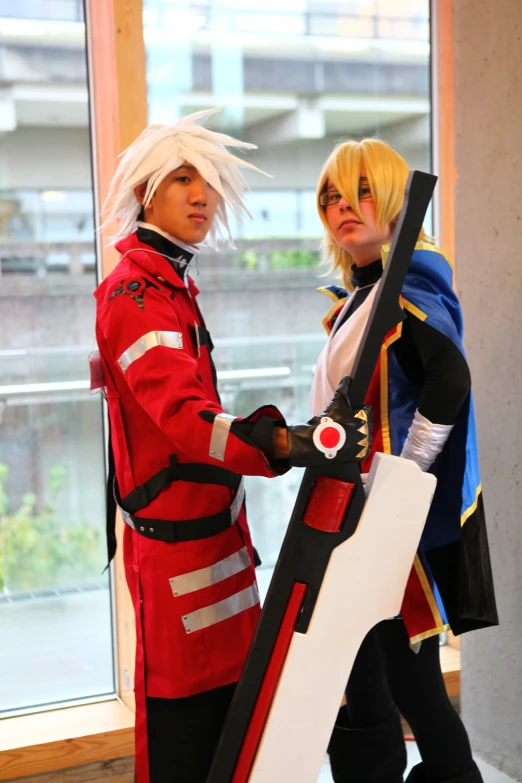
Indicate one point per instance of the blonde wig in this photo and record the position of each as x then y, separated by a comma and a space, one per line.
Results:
386, 172
160, 149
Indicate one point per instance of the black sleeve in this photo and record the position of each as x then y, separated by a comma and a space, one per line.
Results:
261, 435
431, 360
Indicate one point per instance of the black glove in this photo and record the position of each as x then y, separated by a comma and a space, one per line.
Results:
339, 433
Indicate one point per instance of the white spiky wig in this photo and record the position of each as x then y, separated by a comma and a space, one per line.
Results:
160, 149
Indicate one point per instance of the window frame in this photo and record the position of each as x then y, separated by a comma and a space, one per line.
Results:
65, 737
118, 113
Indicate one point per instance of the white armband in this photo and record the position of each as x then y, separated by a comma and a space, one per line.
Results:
425, 441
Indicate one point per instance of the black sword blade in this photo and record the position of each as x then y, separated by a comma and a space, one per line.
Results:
386, 312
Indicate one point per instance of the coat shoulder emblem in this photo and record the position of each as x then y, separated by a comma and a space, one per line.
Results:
135, 289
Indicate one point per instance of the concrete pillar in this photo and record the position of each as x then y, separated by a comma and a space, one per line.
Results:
488, 224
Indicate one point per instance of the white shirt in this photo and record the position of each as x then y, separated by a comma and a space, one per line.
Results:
338, 355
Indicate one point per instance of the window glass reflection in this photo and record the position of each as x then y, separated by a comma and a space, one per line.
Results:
294, 79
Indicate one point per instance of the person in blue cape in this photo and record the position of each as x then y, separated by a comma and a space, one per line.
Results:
423, 410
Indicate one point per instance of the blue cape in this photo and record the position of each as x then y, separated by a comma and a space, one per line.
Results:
428, 293
454, 551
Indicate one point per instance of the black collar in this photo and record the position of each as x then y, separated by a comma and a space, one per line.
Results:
366, 275
178, 257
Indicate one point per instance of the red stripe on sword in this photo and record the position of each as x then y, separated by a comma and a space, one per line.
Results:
268, 688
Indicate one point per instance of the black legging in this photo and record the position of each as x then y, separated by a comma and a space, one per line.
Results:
183, 734
386, 673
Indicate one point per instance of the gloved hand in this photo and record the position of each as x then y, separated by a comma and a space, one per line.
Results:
339, 433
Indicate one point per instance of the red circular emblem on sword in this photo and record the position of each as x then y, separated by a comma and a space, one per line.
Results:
329, 437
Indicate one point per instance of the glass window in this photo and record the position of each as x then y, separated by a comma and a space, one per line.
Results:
295, 78
55, 604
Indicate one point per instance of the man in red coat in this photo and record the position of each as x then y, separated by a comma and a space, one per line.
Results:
178, 457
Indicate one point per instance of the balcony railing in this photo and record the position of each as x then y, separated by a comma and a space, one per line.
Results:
201, 16
48, 10
226, 19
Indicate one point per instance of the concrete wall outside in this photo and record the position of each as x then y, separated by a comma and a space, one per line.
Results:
297, 165
488, 101
42, 158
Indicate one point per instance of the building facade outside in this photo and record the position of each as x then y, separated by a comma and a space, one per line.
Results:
294, 82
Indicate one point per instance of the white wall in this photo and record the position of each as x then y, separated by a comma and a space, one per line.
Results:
488, 104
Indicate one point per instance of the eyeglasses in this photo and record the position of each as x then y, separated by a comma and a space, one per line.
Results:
331, 197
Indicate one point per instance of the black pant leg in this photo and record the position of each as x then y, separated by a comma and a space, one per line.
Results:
368, 700
367, 744
417, 687
183, 735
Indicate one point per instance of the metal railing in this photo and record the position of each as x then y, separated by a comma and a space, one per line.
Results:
164, 13
224, 18
290, 357
29, 260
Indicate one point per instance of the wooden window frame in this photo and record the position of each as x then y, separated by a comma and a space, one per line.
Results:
443, 122
118, 110
69, 737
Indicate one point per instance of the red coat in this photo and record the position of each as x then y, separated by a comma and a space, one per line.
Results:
155, 393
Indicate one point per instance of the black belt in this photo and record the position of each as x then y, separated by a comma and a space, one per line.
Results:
185, 529
197, 473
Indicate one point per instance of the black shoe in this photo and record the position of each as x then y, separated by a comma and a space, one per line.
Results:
418, 775
376, 754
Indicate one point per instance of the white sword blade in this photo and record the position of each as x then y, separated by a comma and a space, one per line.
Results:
364, 583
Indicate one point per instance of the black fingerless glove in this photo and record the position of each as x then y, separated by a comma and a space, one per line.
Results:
340, 433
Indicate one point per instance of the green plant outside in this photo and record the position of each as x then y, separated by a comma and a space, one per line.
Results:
37, 550
281, 259
293, 259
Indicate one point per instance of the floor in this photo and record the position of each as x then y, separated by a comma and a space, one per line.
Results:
73, 637
489, 774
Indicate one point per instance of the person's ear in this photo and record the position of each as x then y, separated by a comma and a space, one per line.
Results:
139, 192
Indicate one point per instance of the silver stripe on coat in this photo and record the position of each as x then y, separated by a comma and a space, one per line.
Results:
235, 506
216, 613
217, 572
219, 437
145, 343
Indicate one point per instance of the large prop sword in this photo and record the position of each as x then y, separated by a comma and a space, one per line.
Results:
342, 568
